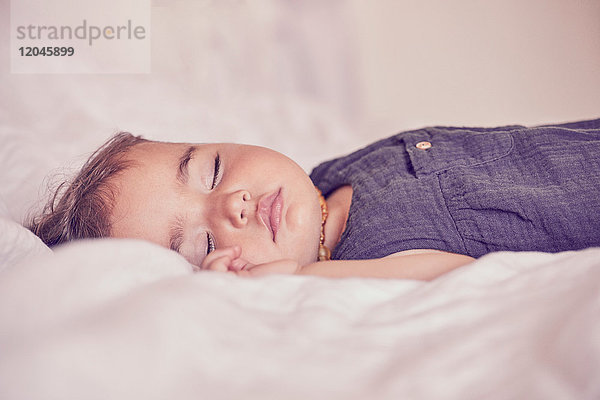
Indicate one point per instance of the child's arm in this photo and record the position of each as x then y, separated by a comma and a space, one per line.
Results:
424, 265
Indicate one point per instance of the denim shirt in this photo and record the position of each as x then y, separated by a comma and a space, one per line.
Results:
471, 190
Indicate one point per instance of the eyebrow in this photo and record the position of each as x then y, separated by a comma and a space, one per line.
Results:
176, 235
184, 160
182, 175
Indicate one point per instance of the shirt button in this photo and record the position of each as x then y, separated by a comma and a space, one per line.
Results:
423, 145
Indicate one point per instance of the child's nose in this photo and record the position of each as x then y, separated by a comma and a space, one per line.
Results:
236, 207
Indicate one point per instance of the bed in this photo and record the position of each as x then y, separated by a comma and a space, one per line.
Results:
125, 319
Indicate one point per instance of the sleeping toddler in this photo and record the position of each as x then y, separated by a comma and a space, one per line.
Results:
415, 205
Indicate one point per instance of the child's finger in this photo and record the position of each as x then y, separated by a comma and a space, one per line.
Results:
232, 252
238, 264
220, 264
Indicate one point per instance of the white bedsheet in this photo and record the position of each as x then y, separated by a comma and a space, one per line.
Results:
122, 319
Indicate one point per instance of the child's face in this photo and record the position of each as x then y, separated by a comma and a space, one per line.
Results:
178, 196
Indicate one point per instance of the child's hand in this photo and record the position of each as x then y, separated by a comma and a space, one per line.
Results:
283, 266
228, 260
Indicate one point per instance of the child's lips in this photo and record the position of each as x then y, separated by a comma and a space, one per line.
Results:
276, 211
269, 210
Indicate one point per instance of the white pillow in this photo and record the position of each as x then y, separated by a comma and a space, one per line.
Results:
17, 242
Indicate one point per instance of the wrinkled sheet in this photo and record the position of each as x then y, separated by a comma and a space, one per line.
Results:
123, 319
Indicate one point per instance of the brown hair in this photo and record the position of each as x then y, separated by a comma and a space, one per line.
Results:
81, 208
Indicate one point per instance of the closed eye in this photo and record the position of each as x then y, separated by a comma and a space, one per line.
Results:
210, 244
217, 170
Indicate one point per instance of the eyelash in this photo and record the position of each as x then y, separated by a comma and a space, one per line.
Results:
211, 244
217, 171
209, 240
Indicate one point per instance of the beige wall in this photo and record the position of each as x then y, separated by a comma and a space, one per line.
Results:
477, 62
